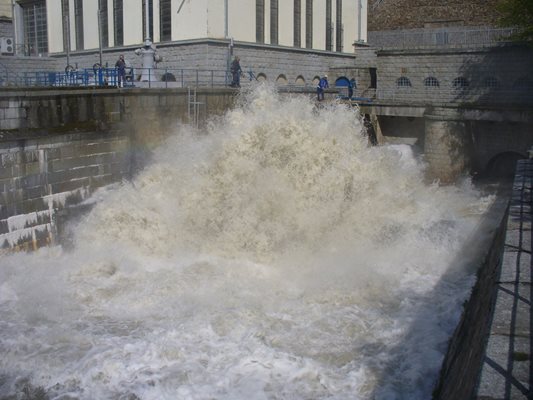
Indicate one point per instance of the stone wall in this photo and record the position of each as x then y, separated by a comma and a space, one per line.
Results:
63, 145
22, 69
464, 358
40, 176
498, 75
401, 14
292, 66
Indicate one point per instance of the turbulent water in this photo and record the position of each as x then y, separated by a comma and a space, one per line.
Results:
274, 255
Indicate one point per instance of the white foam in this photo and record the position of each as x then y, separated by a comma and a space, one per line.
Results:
278, 256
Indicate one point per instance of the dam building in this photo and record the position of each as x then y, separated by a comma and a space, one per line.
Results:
288, 42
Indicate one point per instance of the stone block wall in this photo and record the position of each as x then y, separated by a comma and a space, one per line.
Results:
498, 75
464, 358
398, 14
269, 62
40, 176
62, 145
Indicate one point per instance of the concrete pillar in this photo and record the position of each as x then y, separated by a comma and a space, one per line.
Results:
447, 144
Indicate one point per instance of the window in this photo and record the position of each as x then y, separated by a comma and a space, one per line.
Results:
329, 27
460, 83
297, 23
165, 20
35, 27
273, 21
403, 82
373, 78
119, 22
78, 15
309, 24
491, 82
340, 30
66, 21
104, 25
260, 21
150, 19
431, 81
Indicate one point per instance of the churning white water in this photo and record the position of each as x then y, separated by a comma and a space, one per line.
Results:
274, 256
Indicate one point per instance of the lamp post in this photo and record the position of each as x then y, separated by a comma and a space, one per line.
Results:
99, 16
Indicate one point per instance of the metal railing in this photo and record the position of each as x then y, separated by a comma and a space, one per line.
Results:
138, 77
439, 37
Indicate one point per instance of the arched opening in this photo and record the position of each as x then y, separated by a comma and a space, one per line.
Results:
344, 87
281, 80
403, 82
460, 83
316, 79
431, 81
261, 77
501, 167
342, 82
300, 80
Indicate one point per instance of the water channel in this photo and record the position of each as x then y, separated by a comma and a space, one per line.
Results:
272, 255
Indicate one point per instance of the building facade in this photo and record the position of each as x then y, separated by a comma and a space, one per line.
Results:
53, 26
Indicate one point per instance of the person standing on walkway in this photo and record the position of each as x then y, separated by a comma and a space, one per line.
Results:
236, 72
120, 65
322, 84
351, 86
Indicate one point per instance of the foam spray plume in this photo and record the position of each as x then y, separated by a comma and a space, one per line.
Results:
273, 255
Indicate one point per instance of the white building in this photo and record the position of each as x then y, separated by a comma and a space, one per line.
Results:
288, 41
331, 25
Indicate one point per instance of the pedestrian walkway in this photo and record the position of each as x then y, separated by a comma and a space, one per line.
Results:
507, 369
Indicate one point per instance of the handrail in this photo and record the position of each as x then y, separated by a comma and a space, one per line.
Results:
95, 76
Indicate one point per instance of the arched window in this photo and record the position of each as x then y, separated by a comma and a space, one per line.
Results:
491, 82
431, 81
403, 82
261, 77
282, 80
300, 80
316, 79
460, 83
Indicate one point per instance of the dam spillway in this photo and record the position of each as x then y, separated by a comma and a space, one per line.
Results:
278, 255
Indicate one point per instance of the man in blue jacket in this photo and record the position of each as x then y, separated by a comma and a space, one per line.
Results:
322, 84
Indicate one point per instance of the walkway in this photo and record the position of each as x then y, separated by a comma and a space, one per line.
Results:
507, 369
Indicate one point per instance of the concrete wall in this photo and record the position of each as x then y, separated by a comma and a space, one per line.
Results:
464, 358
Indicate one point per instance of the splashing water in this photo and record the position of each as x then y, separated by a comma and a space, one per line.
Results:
277, 256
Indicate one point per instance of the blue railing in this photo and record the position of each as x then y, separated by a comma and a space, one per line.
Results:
141, 77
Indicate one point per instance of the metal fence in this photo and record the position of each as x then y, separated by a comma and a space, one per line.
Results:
141, 77
441, 37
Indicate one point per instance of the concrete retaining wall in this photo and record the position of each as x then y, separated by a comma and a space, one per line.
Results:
57, 147
40, 176
464, 358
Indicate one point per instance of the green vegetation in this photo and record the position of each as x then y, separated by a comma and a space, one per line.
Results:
518, 13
